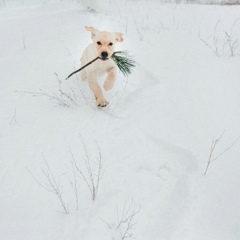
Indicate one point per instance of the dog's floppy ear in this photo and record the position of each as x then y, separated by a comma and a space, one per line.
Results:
92, 30
118, 36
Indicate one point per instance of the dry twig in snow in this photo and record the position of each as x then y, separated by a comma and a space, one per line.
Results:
125, 221
124, 227
213, 146
74, 182
51, 186
93, 179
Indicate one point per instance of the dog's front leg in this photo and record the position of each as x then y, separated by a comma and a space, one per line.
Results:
101, 101
109, 82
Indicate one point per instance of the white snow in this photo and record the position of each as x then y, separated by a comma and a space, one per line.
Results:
154, 137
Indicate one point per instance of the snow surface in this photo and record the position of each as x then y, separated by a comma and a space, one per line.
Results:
154, 137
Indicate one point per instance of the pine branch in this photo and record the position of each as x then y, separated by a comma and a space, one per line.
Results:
124, 62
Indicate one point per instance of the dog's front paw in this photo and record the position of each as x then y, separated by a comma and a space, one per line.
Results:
101, 102
108, 85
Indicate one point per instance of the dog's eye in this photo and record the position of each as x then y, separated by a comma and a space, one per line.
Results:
99, 43
110, 44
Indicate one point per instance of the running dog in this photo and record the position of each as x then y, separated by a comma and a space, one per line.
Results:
103, 47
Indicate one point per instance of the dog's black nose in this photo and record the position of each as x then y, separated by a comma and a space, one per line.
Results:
104, 54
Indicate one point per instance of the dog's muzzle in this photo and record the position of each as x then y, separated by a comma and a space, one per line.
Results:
104, 56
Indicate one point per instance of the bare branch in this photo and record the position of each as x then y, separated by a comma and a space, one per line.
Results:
93, 179
51, 186
110, 227
213, 146
226, 149
80, 172
125, 223
65, 99
74, 183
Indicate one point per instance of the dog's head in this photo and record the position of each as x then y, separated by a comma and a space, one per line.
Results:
104, 41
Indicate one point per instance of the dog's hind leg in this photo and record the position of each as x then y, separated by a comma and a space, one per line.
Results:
111, 77
101, 101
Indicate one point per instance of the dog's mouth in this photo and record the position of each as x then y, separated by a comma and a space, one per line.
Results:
103, 59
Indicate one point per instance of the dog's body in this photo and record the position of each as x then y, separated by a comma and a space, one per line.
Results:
102, 47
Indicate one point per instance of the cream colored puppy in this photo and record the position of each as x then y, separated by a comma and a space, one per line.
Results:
102, 47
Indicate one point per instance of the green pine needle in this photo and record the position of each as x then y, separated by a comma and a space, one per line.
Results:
124, 62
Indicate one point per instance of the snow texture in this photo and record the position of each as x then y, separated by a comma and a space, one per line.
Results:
153, 139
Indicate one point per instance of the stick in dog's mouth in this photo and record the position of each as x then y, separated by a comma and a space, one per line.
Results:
103, 59
123, 61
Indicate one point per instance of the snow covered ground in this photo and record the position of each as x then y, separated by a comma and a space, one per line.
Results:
154, 138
